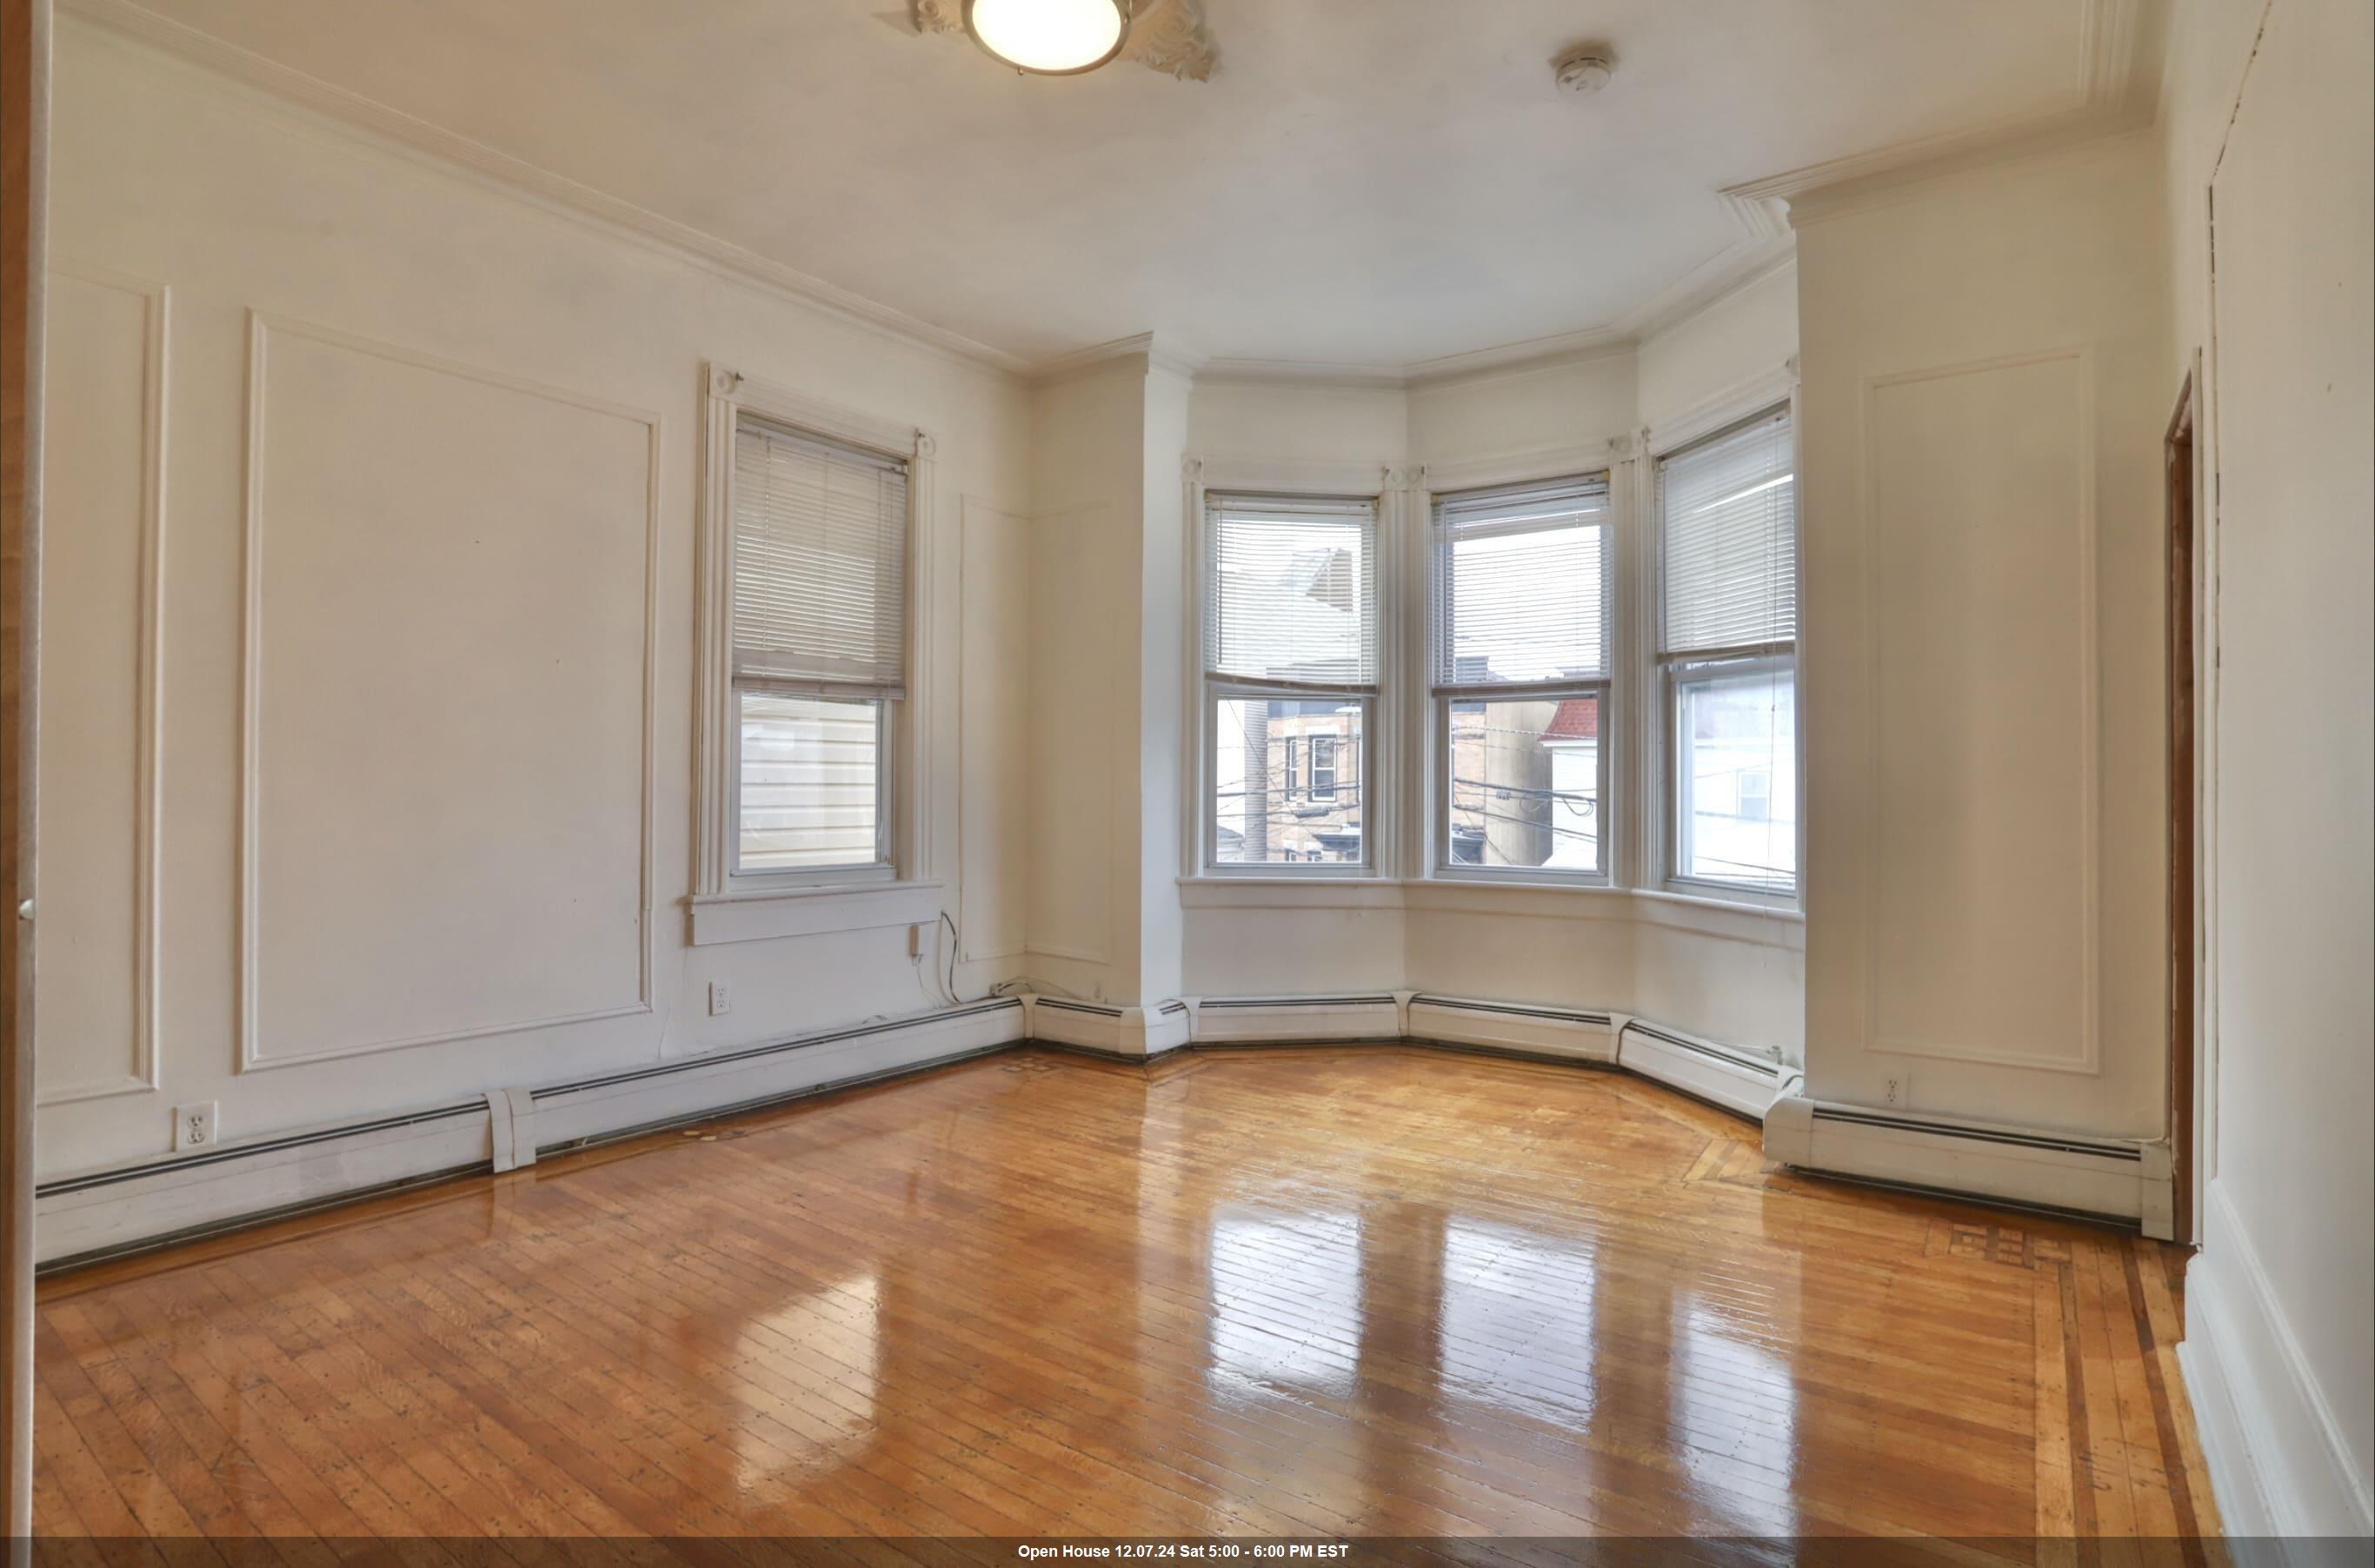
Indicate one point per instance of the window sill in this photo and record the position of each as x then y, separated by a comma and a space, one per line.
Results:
1289, 890
1753, 923
758, 914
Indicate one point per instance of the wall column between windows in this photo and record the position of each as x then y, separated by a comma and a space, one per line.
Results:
1108, 678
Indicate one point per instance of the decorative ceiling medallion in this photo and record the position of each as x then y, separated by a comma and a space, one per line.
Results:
1168, 36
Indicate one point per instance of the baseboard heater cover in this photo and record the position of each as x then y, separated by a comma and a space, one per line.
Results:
1108, 1029
86, 1215
82, 1215
1580, 1033
1250, 1020
2114, 1178
1737, 1077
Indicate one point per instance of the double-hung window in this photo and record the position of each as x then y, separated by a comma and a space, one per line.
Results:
1520, 654
817, 580
1728, 658
1289, 657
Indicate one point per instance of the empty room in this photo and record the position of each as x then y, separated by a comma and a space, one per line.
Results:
950, 781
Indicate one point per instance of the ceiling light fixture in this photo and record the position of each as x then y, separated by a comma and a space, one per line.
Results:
1049, 38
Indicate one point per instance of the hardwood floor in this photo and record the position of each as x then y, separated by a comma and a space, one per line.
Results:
1367, 1291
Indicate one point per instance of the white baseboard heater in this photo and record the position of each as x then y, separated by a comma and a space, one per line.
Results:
81, 1218
2109, 1178
87, 1216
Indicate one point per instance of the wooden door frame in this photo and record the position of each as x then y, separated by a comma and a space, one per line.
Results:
24, 160
2180, 470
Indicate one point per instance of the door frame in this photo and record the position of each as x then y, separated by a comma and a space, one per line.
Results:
2180, 467
24, 161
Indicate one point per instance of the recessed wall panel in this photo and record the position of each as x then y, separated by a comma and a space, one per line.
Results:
996, 765
1982, 674
104, 454
448, 648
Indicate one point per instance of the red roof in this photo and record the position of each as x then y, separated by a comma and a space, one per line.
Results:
1578, 719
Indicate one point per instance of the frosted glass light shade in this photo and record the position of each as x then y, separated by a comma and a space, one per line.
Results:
1049, 37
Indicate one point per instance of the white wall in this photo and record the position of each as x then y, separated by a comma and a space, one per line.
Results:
1981, 409
1731, 974
463, 508
2275, 126
1735, 340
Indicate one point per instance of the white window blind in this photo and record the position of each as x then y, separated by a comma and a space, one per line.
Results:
819, 569
1521, 587
1291, 598
1729, 521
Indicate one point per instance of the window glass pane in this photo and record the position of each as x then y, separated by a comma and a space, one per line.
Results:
810, 783
1524, 787
1736, 763
1292, 593
1521, 586
1260, 814
1731, 565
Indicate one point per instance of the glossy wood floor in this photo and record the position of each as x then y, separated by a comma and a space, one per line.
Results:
1368, 1290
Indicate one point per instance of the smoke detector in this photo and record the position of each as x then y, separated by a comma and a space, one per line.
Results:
1583, 70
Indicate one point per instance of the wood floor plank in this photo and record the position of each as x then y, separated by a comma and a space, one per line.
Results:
1337, 1292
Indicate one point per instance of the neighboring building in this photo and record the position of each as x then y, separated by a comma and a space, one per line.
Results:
1525, 782
1308, 807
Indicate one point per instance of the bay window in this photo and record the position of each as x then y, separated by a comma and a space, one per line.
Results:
1519, 612
1728, 659
1290, 673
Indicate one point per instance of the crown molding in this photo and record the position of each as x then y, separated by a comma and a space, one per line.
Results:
2115, 90
379, 124
1303, 372
1158, 350
1739, 265
1524, 357
1767, 243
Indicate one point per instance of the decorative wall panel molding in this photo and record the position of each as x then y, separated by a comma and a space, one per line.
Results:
100, 790
1981, 678
412, 525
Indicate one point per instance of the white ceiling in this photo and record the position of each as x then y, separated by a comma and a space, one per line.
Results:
1361, 182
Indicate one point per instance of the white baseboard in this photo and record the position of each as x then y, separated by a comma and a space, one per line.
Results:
1060, 1021
2277, 1459
105, 1212
1350, 1015
1583, 1033
2119, 1178
1738, 1079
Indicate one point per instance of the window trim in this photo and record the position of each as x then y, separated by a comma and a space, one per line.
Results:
807, 893
1661, 679
1518, 473
1379, 485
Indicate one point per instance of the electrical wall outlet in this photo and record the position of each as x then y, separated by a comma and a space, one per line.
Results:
194, 1125
1896, 1090
721, 997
